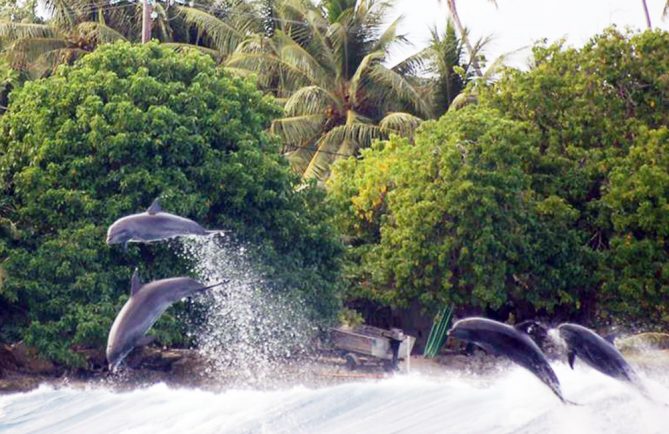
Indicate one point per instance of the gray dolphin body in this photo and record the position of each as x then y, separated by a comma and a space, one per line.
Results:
596, 352
145, 305
502, 339
152, 225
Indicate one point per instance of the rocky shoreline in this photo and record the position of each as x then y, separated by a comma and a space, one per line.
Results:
22, 370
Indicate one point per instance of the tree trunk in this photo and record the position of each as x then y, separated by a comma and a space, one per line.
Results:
147, 21
463, 36
645, 10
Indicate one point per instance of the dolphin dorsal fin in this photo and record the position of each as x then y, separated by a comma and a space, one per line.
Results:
135, 283
155, 207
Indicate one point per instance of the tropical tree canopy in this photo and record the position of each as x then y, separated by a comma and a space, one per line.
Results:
547, 197
76, 28
102, 139
328, 65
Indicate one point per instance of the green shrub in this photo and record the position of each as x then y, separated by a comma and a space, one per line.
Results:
100, 140
454, 219
548, 196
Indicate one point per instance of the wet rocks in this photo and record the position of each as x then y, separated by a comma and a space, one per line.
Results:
643, 342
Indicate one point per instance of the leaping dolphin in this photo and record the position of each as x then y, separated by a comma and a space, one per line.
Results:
596, 352
145, 305
152, 225
498, 338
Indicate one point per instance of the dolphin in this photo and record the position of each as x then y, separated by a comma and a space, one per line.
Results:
152, 225
498, 338
145, 305
596, 352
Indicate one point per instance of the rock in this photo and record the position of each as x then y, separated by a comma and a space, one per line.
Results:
642, 342
22, 383
153, 358
96, 359
7, 360
190, 364
30, 362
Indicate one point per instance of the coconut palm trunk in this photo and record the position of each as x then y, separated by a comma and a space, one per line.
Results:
645, 10
463, 36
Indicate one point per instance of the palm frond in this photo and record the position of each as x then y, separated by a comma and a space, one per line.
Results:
23, 53
181, 47
357, 81
13, 31
338, 36
300, 158
98, 33
161, 24
64, 13
48, 62
415, 64
267, 64
221, 35
292, 53
403, 124
310, 100
340, 141
462, 100
298, 130
389, 37
399, 87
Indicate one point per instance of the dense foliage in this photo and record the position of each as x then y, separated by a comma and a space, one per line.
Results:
549, 196
328, 61
103, 138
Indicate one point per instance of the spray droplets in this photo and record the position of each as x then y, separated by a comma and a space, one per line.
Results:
250, 330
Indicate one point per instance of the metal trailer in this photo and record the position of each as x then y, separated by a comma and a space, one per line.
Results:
361, 343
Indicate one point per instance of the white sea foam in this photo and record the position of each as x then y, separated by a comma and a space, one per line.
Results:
511, 401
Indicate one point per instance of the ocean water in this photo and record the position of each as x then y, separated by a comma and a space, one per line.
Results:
509, 401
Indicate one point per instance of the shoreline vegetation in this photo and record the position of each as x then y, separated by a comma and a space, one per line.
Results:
350, 190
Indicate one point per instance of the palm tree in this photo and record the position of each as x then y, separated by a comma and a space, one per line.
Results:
647, 15
77, 27
326, 63
34, 50
444, 68
452, 7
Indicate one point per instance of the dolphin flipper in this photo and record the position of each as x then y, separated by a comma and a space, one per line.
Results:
486, 347
568, 402
135, 283
571, 356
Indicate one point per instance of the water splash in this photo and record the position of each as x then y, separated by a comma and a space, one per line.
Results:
509, 401
251, 330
